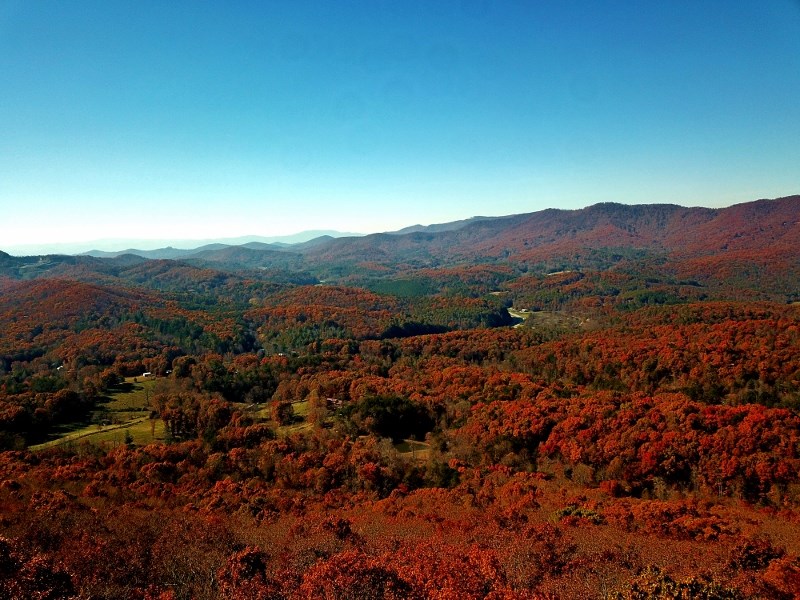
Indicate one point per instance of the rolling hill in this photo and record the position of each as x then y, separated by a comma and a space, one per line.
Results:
757, 226
755, 245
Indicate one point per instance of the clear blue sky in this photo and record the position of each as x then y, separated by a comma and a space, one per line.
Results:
209, 119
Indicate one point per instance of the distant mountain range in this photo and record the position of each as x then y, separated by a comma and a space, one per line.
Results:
771, 226
170, 249
755, 243
436, 228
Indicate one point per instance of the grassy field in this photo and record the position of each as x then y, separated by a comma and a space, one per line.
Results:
124, 416
301, 420
546, 320
417, 450
262, 413
126, 411
517, 314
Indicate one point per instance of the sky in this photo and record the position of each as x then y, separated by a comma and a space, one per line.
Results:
200, 120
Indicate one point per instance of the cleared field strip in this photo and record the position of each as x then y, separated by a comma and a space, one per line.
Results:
126, 411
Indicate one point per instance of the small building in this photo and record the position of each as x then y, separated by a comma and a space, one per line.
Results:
334, 402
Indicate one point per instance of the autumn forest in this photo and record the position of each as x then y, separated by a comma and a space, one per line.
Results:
601, 403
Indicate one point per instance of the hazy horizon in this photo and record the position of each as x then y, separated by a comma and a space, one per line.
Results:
116, 245
186, 121
112, 245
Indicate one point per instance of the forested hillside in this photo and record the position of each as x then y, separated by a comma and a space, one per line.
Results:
569, 404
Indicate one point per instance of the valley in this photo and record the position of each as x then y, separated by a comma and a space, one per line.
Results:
602, 403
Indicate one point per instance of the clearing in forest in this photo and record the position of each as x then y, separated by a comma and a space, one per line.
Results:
123, 417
